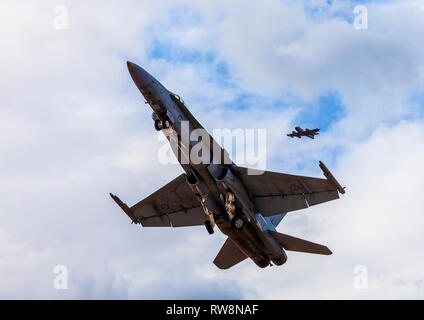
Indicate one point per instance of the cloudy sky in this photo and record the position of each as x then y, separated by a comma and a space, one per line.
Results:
73, 128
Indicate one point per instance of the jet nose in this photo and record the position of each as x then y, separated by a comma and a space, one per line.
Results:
130, 66
140, 76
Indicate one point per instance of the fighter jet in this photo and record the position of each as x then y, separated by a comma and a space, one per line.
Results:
299, 133
244, 204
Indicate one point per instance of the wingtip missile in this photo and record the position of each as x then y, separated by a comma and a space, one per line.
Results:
124, 207
331, 178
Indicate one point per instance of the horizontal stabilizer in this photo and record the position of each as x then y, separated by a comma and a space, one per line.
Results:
295, 244
229, 255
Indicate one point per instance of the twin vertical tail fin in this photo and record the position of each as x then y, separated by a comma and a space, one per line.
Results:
295, 244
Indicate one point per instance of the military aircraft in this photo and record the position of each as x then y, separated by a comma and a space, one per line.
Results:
246, 205
299, 133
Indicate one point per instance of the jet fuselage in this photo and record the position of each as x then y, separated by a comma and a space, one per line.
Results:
223, 196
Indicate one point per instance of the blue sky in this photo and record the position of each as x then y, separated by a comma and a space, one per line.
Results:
75, 128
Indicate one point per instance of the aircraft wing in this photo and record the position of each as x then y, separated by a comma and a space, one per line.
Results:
311, 132
173, 205
274, 192
294, 134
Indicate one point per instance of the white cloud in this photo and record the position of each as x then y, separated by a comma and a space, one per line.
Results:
377, 223
74, 127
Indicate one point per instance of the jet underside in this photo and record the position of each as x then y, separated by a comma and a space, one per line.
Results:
246, 207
